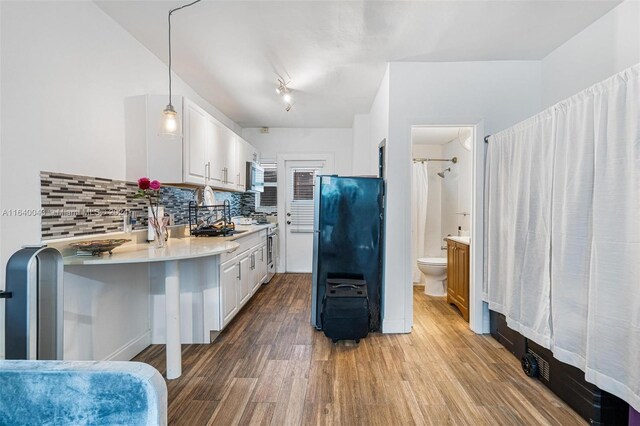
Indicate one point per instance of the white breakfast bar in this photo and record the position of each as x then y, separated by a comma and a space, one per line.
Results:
175, 250
115, 306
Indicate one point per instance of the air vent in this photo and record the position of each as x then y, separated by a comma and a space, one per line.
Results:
543, 366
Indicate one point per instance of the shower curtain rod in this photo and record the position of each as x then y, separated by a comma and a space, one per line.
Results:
454, 160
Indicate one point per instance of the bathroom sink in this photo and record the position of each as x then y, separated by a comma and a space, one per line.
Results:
465, 240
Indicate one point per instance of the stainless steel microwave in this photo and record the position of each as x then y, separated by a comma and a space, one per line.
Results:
255, 177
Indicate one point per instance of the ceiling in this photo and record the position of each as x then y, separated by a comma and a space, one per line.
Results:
334, 52
432, 135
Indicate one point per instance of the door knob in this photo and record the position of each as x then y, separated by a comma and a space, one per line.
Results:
289, 214
288, 222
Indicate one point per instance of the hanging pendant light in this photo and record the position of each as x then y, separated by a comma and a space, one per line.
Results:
170, 120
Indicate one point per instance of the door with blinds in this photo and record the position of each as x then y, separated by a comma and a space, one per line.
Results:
299, 213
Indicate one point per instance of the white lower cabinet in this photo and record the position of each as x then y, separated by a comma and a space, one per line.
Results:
229, 277
241, 276
244, 284
259, 269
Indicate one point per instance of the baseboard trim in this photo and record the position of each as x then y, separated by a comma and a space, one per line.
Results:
394, 326
131, 349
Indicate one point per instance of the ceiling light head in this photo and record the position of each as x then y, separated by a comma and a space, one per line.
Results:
282, 87
285, 93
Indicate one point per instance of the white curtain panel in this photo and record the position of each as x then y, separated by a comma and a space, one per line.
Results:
564, 202
613, 335
420, 184
571, 227
519, 234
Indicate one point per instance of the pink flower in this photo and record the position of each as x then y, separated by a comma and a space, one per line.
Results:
144, 183
155, 185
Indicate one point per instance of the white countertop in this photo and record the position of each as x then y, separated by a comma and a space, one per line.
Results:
463, 240
249, 229
176, 249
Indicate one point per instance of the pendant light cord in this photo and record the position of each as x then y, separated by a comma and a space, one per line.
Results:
169, 18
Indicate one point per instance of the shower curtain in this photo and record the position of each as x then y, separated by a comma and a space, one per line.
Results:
420, 186
593, 216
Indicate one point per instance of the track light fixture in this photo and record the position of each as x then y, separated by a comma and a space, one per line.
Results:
285, 92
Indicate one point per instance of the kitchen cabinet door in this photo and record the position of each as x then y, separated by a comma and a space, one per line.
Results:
195, 144
257, 274
262, 264
245, 153
244, 284
229, 279
242, 148
230, 141
215, 162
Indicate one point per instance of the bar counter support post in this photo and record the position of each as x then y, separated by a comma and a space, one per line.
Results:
172, 302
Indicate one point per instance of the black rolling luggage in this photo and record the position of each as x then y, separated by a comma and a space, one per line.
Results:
345, 310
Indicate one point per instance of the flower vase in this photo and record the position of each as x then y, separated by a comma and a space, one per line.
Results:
157, 229
161, 236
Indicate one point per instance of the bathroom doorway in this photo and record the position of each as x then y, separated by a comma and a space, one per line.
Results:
441, 214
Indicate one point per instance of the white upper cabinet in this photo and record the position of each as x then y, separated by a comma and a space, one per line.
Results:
241, 148
222, 156
229, 156
244, 153
195, 166
216, 147
208, 153
149, 154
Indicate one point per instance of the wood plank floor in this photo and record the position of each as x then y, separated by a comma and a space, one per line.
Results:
270, 367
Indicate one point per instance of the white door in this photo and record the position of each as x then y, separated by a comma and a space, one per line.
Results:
300, 181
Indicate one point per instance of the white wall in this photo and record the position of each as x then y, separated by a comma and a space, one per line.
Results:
496, 93
361, 142
66, 68
607, 46
378, 125
336, 143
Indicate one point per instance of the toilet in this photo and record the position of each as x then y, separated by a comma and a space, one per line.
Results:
435, 272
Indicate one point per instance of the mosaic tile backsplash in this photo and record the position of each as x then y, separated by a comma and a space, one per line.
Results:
80, 205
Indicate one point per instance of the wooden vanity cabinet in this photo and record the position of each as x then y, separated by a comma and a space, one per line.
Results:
458, 276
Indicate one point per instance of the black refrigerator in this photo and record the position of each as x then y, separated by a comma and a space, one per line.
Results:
348, 238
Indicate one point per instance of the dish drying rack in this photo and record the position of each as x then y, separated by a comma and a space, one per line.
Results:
211, 220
